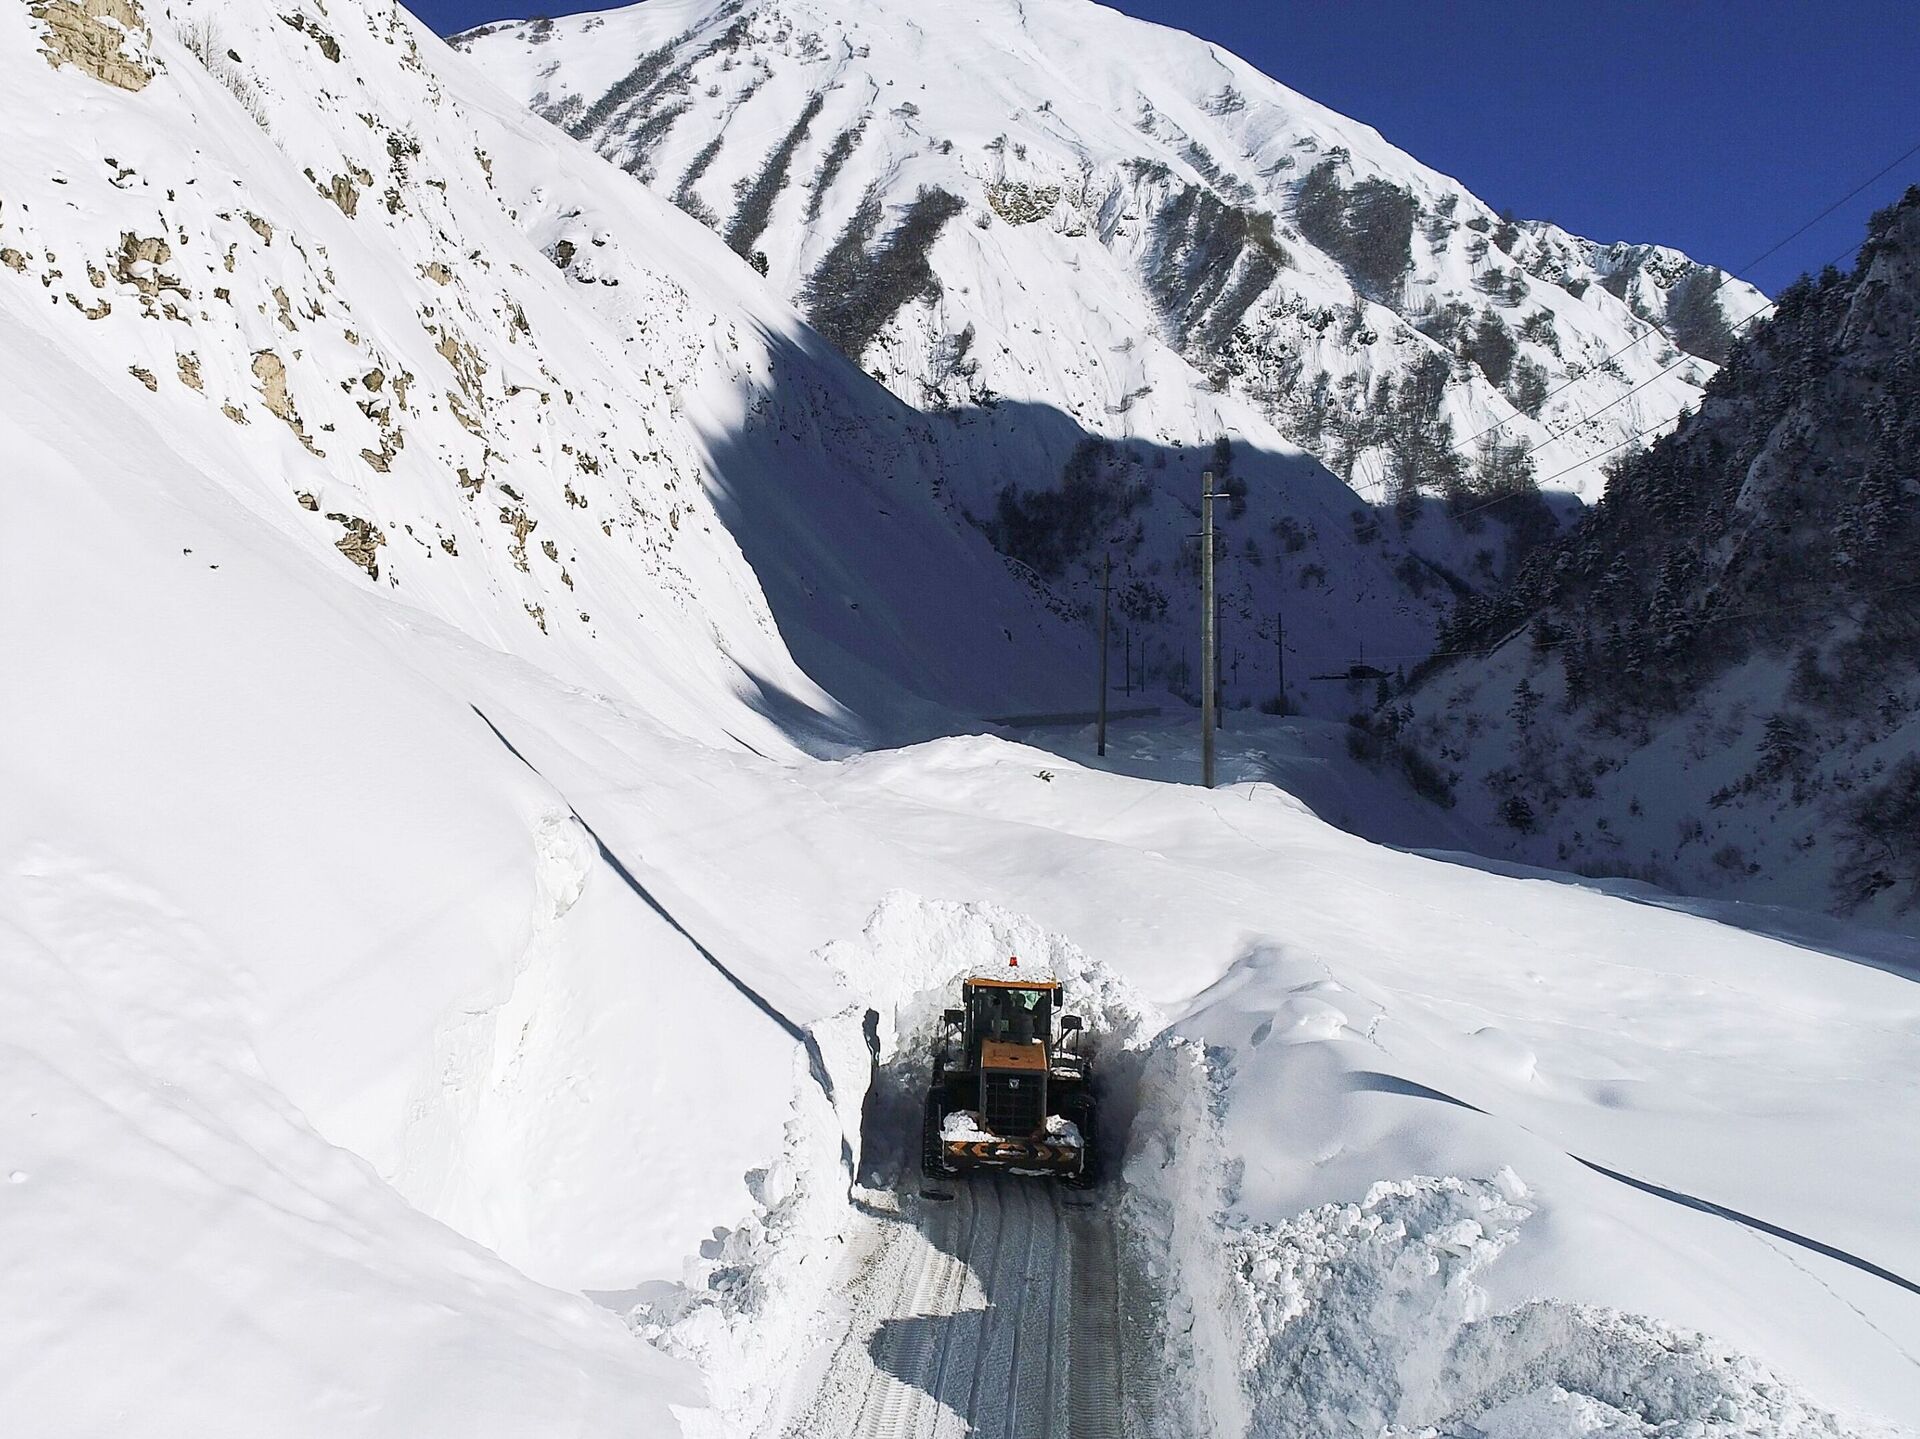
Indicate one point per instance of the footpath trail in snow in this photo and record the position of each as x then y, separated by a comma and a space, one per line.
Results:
994, 1312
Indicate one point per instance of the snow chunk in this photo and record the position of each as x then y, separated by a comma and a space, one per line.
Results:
1062, 1130
963, 1126
910, 959
1367, 1319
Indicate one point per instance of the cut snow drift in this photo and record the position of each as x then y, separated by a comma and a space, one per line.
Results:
1368, 1318
759, 1292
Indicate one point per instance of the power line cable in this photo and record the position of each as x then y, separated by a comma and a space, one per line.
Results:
1744, 320
1619, 399
1377, 485
1765, 254
1639, 434
1460, 445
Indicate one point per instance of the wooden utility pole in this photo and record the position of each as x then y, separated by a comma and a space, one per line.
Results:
1106, 589
1209, 640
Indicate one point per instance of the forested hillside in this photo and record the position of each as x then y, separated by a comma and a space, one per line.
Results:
1712, 680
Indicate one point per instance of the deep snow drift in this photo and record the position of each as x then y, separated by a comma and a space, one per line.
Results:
384, 972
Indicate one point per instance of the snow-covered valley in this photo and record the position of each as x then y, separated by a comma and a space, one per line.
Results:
434, 965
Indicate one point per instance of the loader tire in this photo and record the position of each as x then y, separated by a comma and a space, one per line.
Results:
933, 1156
1082, 1114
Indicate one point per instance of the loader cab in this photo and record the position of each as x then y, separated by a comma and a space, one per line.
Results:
1004, 1013
1000, 1016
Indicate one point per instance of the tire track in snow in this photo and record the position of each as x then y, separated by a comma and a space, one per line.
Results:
950, 1297
1056, 1353
1042, 1270
989, 1272
998, 1376
887, 1400
993, 1315
880, 1263
1094, 1367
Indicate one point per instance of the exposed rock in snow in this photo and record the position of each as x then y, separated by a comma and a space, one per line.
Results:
108, 39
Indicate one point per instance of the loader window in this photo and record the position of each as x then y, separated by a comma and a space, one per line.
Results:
1013, 1016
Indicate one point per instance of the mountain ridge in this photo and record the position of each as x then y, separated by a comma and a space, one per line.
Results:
1200, 208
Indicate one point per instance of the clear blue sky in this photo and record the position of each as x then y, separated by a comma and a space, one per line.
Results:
1716, 127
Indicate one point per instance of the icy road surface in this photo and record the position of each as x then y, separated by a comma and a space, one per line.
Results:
995, 1312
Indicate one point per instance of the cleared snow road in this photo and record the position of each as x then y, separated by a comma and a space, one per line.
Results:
994, 1313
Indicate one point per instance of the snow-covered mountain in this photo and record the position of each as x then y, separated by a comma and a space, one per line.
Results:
435, 958
1713, 681
1045, 201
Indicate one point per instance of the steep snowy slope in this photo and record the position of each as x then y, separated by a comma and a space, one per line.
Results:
1046, 201
324, 293
1712, 682
268, 888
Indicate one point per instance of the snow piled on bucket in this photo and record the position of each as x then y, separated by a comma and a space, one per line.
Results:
1368, 1318
757, 1299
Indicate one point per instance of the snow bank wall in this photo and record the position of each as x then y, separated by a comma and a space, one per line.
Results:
1371, 1318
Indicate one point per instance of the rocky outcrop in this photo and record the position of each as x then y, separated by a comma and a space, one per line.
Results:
108, 39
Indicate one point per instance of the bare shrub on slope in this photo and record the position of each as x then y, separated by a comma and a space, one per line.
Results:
204, 44
854, 291
1367, 227
756, 200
